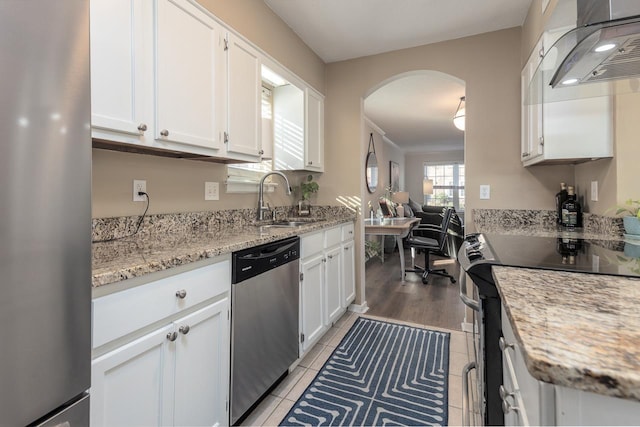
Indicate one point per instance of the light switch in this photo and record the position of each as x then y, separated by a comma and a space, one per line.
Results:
485, 192
211, 191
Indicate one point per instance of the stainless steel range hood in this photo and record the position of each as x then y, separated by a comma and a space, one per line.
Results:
600, 57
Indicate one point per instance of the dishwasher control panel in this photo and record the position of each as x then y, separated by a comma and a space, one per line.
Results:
250, 262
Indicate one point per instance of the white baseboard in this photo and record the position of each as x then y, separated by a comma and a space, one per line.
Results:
467, 327
359, 308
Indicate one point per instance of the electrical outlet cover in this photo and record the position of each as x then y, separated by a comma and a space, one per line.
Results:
485, 192
211, 191
139, 185
594, 191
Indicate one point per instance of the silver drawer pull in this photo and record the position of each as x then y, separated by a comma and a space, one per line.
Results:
508, 407
503, 344
181, 294
164, 132
171, 336
184, 329
504, 393
142, 127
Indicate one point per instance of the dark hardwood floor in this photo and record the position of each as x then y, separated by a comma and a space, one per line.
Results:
435, 304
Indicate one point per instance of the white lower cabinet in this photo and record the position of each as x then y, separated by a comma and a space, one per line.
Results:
177, 373
327, 284
311, 301
528, 401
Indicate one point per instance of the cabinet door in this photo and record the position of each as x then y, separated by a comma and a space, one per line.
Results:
531, 138
289, 145
333, 284
348, 274
121, 78
189, 52
244, 88
202, 366
314, 131
311, 300
131, 386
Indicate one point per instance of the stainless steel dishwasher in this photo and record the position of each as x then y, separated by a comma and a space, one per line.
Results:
264, 320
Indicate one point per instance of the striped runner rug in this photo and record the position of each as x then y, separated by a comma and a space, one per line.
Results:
381, 374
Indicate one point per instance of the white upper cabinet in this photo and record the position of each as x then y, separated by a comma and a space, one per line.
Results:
188, 60
314, 132
168, 75
243, 99
288, 127
121, 73
561, 131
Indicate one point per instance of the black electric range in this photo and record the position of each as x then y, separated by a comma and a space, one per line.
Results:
567, 252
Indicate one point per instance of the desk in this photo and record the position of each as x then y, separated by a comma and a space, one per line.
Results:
398, 227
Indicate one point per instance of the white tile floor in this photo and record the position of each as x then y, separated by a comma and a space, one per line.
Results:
275, 406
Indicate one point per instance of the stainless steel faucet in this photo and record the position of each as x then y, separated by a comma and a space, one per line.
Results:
261, 206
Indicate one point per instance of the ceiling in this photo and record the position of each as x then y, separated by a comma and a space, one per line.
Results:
416, 112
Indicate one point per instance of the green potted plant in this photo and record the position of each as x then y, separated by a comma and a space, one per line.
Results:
307, 187
631, 219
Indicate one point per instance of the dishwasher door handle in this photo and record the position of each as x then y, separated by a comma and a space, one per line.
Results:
268, 254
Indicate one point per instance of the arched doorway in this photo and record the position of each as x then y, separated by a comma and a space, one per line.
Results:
410, 116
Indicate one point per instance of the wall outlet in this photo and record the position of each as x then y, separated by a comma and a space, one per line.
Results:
594, 191
485, 192
211, 191
139, 185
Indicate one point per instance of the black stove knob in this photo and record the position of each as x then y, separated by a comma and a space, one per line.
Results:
474, 255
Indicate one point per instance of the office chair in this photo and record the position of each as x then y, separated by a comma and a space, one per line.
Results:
430, 246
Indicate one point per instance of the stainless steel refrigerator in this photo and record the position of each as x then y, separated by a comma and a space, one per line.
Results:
45, 212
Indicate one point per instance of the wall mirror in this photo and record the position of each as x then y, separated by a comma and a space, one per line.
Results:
371, 172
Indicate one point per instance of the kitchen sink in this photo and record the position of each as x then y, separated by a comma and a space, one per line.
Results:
289, 223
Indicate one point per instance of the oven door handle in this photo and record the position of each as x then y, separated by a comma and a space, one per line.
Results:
469, 302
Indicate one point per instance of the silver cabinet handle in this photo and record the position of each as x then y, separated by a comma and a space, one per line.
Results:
310, 162
541, 140
261, 152
465, 392
181, 293
184, 329
164, 132
503, 344
504, 394
525, 154
346, 248
330, 256
142, 127
171, 336
508, 407
469, 302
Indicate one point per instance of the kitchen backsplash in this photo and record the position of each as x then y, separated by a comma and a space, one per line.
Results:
544, 220
189, 222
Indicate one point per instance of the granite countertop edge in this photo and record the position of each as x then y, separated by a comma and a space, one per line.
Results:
245, 237
551, 360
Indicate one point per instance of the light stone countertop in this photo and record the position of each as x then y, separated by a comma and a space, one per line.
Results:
127, 258
576, 330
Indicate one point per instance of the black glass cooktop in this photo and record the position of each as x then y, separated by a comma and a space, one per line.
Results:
565, 253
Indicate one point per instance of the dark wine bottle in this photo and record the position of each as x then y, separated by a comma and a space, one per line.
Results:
561, 197
571, 210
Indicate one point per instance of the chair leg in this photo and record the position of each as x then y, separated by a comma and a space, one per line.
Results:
439, 271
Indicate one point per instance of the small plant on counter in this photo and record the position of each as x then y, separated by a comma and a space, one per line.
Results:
308, 187
630, 207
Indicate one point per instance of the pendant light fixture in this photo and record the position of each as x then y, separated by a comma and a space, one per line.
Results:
458, 118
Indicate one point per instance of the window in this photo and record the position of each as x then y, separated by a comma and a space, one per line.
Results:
448, 185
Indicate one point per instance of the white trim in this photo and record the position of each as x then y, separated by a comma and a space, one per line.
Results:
375, 127
236, 184
467, 327
393, 144
359, 308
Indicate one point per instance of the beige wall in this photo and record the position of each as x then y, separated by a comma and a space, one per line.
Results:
414, 168
178, 185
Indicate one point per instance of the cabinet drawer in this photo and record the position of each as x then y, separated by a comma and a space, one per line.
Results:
311, 244
347, 232
332, 237
121, 313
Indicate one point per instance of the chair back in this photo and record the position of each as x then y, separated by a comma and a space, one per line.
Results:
444, 229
